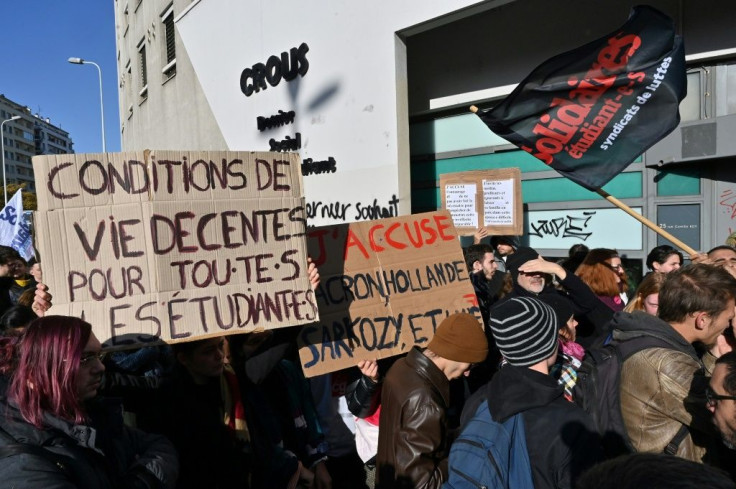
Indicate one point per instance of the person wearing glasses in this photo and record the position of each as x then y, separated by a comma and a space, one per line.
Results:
533, 276
604, 273
56, 432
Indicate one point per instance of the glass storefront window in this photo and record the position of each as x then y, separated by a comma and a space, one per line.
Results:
682, 221
690, 105
678, 182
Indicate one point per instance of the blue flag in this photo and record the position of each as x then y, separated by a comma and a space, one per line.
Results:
15, 230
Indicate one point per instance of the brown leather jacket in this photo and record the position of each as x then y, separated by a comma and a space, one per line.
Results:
412, 435
663, 389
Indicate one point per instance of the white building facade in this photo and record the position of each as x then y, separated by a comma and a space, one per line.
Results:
374, 97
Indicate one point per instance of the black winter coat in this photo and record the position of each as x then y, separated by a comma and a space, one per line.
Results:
105, 454
560, 436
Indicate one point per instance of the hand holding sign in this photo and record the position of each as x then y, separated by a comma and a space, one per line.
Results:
41, 300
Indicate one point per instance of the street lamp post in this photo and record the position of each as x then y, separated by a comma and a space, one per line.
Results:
80, 61
2, 152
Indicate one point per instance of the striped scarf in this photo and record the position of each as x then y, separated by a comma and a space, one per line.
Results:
233, 409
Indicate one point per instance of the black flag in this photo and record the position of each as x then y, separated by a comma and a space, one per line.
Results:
589, 112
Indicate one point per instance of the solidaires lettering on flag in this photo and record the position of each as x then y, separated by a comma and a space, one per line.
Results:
589, 112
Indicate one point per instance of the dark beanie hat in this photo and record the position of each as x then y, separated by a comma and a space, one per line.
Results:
560, 304
516, 259
460, 338
525, 330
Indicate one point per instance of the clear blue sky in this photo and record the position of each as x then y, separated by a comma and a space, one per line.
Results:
38, 36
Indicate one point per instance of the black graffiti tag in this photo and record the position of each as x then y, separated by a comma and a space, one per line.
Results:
565, 227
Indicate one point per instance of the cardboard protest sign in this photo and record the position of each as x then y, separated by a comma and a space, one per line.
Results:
484, 198
385, 286
174, 245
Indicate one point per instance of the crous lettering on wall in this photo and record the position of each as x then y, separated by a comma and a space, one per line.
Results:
175, 245
385, 286
286, 67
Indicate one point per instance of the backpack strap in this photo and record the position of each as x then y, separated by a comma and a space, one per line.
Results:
634, 345
674, 444
630, 346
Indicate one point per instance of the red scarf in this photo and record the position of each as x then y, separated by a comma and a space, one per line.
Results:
234, 411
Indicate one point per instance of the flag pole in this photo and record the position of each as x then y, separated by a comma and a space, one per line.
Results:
613, 200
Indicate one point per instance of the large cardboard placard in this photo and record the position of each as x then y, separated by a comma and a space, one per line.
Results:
484, 198
385, 286
174, 245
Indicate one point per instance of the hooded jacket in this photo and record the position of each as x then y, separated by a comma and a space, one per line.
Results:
412, 435
663, 388
513, 241
561, 438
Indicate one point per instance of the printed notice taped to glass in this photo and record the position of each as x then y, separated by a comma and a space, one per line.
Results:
460, 202
498, 202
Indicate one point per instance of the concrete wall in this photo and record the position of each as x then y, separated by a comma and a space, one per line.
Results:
350, 105
175, 114
501, 46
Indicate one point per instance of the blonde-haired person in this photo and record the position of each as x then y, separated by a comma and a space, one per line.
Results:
646, 297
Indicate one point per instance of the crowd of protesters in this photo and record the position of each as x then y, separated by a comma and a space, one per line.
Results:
237, 412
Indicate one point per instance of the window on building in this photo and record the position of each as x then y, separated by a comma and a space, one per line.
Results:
125, 20
143, 70
730, 88
682, 221
167, 19
128, 81
691, 105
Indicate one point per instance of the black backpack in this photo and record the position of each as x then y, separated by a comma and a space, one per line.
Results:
597, 391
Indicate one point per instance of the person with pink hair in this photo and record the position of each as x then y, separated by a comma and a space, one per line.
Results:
56, 432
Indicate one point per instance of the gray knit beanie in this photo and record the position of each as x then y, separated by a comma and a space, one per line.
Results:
525, 330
